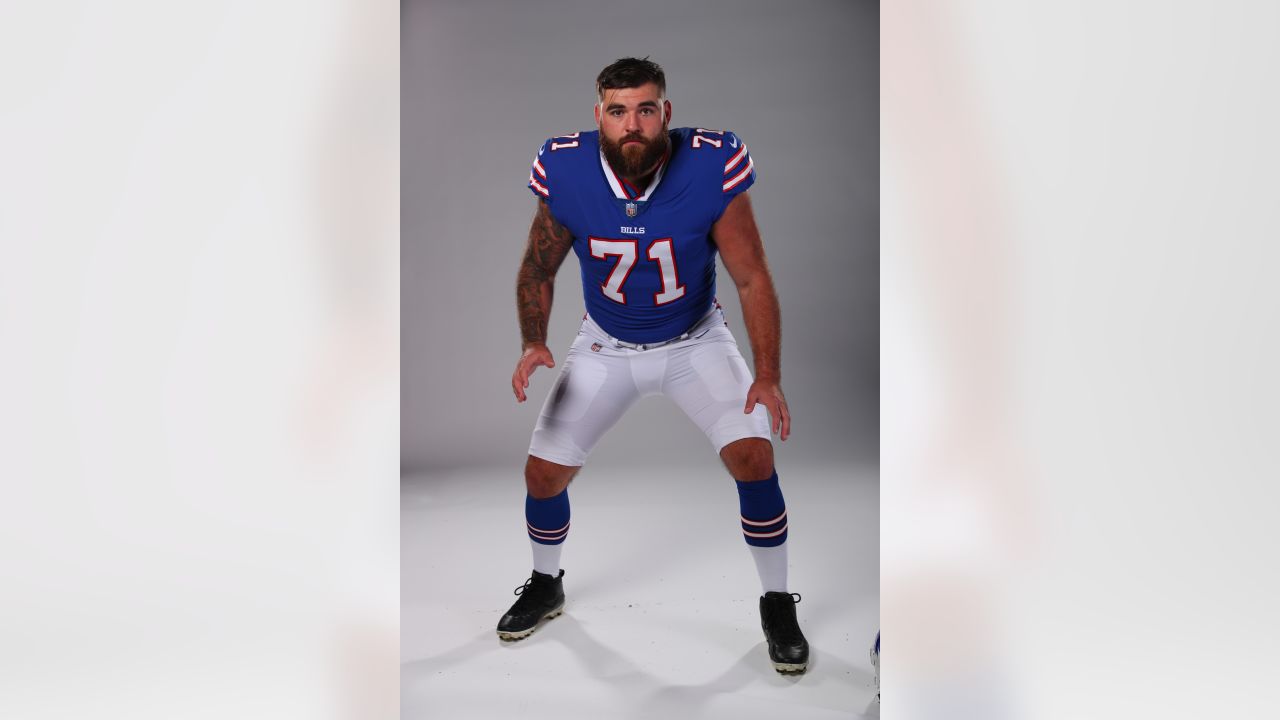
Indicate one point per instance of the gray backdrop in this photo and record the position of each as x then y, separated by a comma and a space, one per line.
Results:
485, 82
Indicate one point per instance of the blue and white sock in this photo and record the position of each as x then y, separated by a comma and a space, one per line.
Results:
764, 527
547, 521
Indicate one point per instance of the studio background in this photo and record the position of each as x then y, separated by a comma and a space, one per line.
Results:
661, 617
485, 83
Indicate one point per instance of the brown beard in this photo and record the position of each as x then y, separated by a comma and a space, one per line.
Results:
632, 165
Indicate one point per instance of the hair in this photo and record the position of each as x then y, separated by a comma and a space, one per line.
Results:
631, 73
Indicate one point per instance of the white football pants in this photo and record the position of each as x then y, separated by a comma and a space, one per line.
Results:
702, 372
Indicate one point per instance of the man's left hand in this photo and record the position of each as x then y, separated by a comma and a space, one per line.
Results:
769, 393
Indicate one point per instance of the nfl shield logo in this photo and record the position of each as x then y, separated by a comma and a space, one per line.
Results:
631, 209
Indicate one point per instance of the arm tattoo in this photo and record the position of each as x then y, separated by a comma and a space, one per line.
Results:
549, 243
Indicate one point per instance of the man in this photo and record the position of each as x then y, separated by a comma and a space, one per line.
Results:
646, 209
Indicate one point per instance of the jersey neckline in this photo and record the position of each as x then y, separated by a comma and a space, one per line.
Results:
624, 190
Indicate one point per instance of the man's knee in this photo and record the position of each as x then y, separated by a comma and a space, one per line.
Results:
545, 479
748, 459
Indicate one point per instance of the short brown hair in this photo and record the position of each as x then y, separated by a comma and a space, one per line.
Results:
631, 73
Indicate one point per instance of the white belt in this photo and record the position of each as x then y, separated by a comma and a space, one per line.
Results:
648, 346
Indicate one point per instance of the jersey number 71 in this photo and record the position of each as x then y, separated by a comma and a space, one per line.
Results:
660, 251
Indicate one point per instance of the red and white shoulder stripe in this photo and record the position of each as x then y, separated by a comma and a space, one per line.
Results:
739, 169
538, 175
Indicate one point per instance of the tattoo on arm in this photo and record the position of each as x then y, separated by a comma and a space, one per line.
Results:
549, 244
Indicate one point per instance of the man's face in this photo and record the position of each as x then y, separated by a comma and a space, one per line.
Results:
633, 129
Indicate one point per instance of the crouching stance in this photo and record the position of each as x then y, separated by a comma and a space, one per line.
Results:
646, 209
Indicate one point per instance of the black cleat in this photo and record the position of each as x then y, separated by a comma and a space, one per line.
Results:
788, 649
541, 596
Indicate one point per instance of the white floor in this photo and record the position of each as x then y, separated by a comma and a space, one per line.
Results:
661, 618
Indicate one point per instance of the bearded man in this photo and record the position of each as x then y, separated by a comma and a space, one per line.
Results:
646, 209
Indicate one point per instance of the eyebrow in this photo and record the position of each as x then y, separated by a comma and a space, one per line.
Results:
620, 106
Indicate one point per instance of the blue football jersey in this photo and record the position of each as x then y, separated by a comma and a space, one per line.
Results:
647, 259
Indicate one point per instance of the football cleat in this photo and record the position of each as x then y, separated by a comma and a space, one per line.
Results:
788, 650
541, 598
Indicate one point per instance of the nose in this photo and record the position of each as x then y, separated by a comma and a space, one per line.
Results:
632, 122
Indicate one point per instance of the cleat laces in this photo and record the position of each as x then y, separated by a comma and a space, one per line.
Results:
786, 630
529, 594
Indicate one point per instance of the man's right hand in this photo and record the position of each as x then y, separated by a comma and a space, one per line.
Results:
534, 355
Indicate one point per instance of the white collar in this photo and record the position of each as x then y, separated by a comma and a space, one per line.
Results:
616, 183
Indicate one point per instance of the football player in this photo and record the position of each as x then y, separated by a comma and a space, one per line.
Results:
646, 208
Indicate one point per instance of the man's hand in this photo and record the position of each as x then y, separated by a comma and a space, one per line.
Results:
769, 393
534, 355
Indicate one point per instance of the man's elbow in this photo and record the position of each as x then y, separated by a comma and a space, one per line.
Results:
753, 282
532, 272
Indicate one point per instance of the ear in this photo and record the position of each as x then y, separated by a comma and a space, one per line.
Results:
666, 109
596, 110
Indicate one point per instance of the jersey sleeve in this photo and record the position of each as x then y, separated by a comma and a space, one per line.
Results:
539, 183
739, 169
